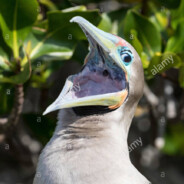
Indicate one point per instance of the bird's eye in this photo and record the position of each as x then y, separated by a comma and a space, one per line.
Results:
126, 55
126, 58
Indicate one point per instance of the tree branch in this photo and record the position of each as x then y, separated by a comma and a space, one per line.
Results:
150, 96
8, 124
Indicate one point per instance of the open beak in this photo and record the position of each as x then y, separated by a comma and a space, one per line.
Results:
103, 79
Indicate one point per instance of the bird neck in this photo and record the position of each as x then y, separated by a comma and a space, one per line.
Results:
94, 130
93, 146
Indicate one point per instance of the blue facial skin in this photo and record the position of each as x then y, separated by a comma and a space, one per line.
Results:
98, 62
126, 55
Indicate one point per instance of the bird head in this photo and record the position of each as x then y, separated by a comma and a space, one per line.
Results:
111, 76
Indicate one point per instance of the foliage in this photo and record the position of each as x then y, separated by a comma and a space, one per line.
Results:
174, 140
27, 36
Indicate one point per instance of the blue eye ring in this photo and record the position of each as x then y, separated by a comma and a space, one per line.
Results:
125, 55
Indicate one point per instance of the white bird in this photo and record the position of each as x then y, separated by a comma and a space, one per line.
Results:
89, 145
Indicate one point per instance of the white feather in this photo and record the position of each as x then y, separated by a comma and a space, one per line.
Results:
95, 151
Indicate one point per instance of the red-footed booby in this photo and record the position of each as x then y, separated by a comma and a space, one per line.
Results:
89, 145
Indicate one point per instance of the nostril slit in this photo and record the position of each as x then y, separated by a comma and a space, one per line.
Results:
105, 73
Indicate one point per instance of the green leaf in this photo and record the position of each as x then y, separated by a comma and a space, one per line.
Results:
135, 42
117, 18
176, 42
80, 52
4, 46
54, 47
20, 78
118, 15
105, 24
161, 19
170, 3
177, 16
145, 60
148, 34
59, 40
174, 139
41, 71
57, 20
181, 76
162, 62
16, 19
49, 4
3, 60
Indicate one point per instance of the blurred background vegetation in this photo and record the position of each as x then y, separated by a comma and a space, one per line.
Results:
39, 48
